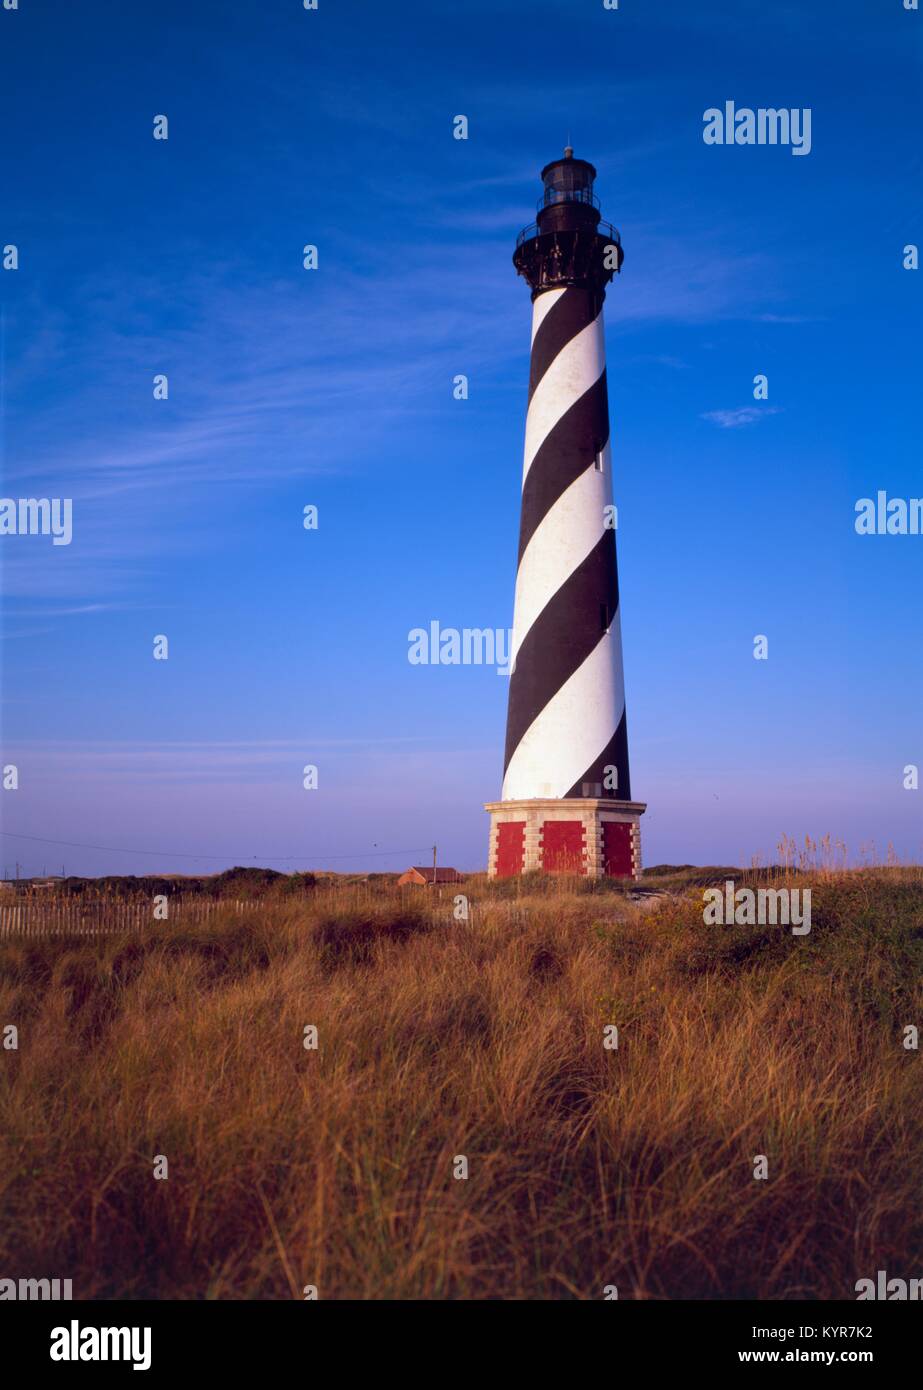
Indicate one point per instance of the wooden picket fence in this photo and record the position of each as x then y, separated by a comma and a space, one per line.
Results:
71, 916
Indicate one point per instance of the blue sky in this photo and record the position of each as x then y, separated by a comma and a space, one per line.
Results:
334, 388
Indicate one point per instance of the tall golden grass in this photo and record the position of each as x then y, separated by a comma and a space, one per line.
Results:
484, 1038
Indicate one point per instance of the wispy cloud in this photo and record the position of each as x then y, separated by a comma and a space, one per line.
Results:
786, 318
187, 762
268, 382
279, 376
736, 419
66, 612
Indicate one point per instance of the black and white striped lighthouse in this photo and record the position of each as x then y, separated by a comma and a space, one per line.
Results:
566, 800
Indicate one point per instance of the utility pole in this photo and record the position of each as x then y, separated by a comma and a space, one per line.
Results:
434, 863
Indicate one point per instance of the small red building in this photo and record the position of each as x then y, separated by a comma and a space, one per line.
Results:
425, 875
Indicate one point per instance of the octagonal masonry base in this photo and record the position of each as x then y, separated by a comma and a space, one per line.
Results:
577, 835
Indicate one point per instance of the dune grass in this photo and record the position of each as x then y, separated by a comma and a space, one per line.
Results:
440, 1039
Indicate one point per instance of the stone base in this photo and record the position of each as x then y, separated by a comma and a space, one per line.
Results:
598, 837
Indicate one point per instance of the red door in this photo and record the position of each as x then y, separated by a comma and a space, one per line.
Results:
617, 849
511, 847
562, 847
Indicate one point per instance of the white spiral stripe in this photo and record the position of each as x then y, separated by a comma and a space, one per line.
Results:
542, 306
561, 541
573, 728
578, 365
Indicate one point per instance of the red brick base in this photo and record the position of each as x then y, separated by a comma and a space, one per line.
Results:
596, 836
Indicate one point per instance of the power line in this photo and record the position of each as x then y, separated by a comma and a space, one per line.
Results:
176, 854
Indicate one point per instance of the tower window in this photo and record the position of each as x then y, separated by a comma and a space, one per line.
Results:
604, 616
598, 458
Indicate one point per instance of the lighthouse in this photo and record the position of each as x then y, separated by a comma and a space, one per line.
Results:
566, 799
